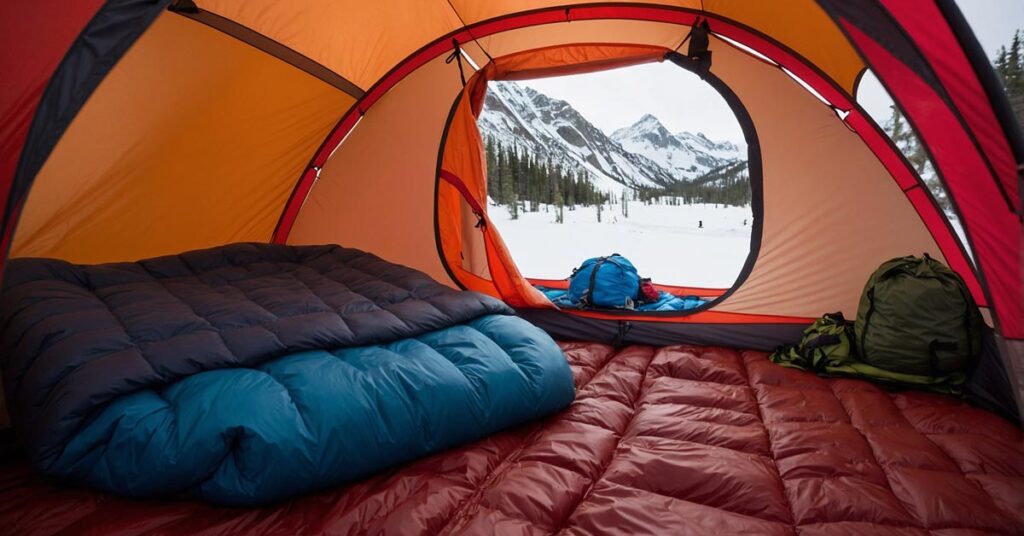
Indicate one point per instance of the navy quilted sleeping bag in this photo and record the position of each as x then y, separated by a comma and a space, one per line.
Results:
251, 372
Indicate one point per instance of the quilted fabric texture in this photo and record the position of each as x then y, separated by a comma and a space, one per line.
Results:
671, 440
76, 337
314, 419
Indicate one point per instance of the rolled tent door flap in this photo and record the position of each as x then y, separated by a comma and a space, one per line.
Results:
464, 165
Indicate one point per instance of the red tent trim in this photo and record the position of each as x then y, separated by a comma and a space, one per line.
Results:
941, 231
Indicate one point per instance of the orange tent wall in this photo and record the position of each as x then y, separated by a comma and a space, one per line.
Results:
193, 140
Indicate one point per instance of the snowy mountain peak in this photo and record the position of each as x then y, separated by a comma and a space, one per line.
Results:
648, 121
647, 126
643, 154
723, 148
685, 155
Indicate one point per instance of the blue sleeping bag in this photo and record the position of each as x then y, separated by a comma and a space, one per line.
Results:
315, 419
253, 372
665, 302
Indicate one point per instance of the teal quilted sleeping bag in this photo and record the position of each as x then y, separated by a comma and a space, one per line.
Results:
252, 373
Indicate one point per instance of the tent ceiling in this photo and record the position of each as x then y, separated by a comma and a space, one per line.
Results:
346, 37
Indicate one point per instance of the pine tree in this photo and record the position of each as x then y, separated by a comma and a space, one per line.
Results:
1009, 64
1001, 63
511, 199
897, 126
504, 177
910, 145
1014, 77
523, 181
512, 167
918, 158
522, 175
907, 141
492, 165
559, 206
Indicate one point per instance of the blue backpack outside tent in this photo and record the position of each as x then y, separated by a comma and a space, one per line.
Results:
610, 281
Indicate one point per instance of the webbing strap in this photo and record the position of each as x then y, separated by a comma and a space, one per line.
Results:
455, 181
593, 280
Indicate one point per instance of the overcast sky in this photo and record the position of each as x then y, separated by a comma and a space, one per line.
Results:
618, 98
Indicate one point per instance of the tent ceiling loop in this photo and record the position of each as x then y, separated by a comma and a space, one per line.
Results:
465, 26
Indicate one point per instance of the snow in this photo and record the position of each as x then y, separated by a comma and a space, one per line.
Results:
663, 241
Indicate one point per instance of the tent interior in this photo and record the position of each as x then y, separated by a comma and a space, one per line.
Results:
144, 129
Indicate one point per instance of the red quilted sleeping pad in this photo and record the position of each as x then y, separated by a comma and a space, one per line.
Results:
659, 441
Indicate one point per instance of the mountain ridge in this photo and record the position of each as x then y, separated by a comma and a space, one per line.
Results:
644, 155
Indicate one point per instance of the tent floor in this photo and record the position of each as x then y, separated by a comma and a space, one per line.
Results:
659, 441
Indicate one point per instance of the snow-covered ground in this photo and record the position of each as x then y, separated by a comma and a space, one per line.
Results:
663, 241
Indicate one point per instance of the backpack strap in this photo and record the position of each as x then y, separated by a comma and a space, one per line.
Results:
933, 353
824, 339
810, 353
867, 318
593, 280
970, 310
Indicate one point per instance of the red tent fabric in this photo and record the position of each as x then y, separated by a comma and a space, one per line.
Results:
940, 89
28, 59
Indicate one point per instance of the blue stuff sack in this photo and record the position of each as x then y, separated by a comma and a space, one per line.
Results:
605, 282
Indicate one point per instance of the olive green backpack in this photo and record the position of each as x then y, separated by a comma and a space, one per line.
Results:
917, 326
916, 316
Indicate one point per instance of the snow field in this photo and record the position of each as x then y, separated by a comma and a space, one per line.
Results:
663, 241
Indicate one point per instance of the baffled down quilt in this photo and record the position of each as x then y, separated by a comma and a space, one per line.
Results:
253, 372
663, 441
